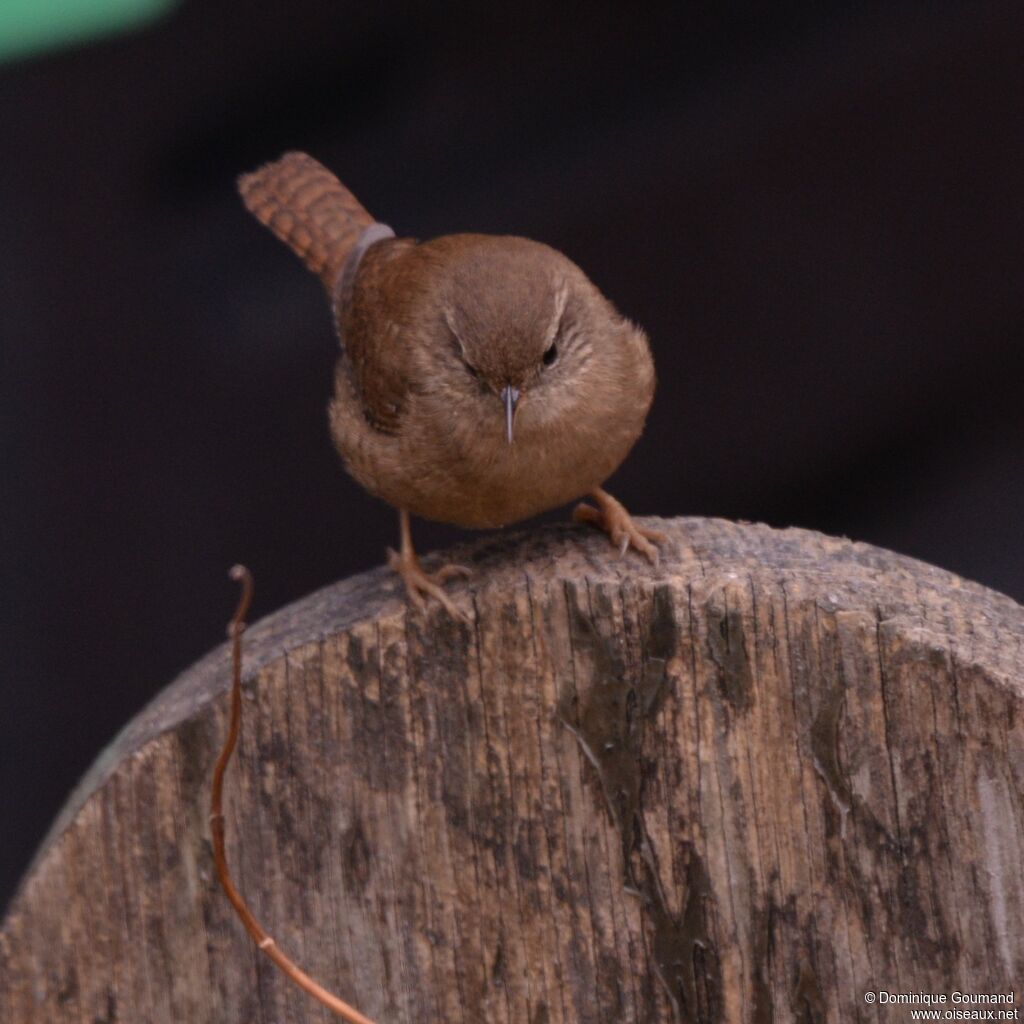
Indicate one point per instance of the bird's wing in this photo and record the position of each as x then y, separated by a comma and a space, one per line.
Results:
377, 329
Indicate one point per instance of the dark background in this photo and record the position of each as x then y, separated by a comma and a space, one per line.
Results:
815, 210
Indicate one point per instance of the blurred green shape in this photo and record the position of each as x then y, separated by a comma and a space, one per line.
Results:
29, 26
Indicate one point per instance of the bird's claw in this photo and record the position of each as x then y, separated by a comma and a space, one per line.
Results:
421, 585
452, 572
623, 532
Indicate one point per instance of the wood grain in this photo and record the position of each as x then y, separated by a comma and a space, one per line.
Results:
778, 771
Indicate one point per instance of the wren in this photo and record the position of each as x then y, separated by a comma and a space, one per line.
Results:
483, 379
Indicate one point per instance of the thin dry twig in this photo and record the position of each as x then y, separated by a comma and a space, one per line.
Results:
265, 943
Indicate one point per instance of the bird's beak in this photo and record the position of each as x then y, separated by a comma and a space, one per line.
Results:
510, 396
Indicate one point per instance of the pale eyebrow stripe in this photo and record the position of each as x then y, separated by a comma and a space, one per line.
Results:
449, 319
561, 297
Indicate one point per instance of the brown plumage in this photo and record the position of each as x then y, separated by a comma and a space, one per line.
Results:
308, 209
484, 379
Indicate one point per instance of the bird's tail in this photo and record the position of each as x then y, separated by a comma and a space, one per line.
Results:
308, 209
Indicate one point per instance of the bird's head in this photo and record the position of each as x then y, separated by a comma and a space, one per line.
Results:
523, 321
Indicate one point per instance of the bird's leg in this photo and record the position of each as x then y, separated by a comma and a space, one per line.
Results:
419, 584
612, 517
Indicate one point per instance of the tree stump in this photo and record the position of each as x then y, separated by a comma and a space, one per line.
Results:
772, 775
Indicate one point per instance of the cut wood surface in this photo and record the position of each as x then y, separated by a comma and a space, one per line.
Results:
774, 774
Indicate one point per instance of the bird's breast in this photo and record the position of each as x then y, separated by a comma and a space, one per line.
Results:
450, 460
478, 479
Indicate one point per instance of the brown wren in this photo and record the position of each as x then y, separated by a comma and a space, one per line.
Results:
483, 379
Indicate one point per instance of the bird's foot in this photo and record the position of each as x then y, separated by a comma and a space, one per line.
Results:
612, 517
421, 585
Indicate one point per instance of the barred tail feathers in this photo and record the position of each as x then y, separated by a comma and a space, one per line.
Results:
308, 209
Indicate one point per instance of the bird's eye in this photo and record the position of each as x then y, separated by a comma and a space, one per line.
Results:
550, 355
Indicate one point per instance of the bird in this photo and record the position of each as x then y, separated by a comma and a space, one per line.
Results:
483, 378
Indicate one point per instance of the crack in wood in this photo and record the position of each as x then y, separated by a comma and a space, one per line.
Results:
608, 726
